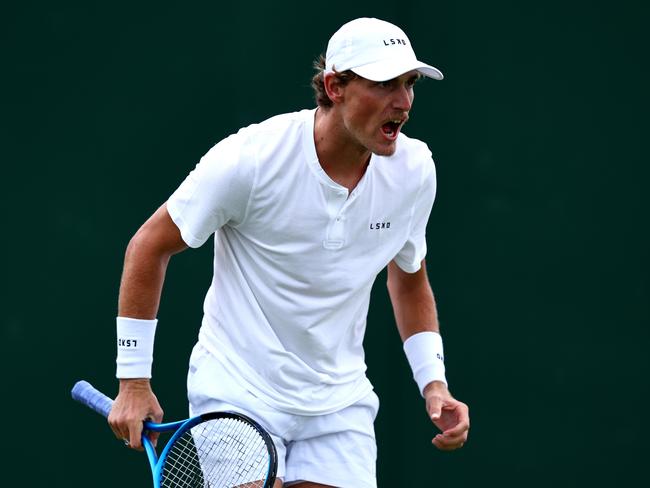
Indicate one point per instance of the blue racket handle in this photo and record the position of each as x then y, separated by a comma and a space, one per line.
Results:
88, 395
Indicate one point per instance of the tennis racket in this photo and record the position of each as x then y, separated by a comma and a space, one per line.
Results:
215, 450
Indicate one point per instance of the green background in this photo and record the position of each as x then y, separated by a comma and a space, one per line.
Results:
538, 242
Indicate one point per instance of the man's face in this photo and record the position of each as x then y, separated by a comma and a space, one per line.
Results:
373, 113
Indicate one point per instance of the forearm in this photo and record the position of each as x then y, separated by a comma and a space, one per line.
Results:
140, 290
413, 301
145, 264
417, 322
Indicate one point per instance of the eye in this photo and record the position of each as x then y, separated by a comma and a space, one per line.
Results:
412, 81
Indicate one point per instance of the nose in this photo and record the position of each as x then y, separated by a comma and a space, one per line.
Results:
403, 98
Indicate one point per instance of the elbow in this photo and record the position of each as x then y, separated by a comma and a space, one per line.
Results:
137, 245
144, 247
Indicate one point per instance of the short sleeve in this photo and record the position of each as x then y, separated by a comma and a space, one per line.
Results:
410, 257
215, 193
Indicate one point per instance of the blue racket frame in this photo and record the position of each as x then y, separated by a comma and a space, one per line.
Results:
155, 462
88, 395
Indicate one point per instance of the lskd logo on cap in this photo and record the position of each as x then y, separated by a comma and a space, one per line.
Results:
388, 42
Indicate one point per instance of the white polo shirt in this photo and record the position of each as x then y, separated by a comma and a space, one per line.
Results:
296, 257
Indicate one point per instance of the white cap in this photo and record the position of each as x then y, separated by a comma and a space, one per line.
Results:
375, 50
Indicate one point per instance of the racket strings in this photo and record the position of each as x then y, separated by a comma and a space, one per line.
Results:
248, 458
219, 453
183, 467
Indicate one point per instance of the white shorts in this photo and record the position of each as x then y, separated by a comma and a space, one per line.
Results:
337, 449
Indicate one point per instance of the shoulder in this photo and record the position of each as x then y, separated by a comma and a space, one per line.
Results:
413, 151
411, 164
269, 130
420, 173
247, 145
275, 143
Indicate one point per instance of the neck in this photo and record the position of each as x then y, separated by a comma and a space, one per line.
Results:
344, 160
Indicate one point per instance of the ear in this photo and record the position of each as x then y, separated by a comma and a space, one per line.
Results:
333, 87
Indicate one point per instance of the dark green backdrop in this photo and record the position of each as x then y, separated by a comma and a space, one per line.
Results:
538, 243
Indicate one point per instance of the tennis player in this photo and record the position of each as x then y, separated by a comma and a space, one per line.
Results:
306, 209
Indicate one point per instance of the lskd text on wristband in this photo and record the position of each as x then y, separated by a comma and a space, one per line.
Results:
426, 357
135, 338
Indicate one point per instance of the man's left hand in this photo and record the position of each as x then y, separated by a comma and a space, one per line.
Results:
449, 415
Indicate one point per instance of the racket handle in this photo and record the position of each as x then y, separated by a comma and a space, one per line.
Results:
88, 395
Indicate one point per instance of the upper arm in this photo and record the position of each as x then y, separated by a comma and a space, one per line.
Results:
159, 235
401, 282
145, 264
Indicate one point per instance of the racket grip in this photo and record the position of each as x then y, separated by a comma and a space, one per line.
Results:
88, 395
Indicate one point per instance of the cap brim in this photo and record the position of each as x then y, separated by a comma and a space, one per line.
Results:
387, 70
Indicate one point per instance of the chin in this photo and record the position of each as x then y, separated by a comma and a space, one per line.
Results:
384, 150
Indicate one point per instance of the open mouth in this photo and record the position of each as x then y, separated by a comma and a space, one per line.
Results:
391, 128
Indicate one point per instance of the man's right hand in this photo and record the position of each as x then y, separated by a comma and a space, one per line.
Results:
134, 404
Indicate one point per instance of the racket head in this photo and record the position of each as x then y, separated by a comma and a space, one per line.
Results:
218, 449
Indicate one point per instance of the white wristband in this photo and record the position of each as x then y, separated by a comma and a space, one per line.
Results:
426, 358
134, 347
